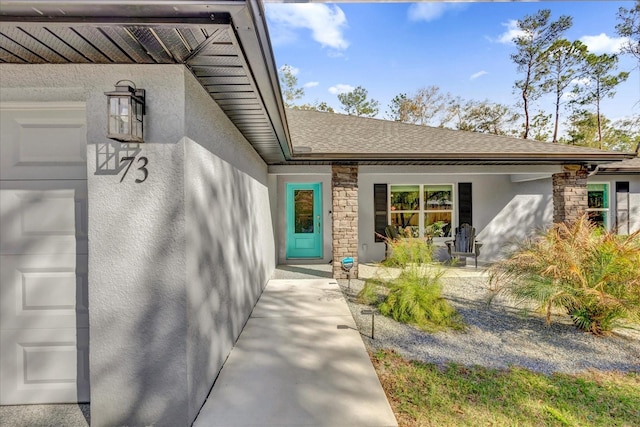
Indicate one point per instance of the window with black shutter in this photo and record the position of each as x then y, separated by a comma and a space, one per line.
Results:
380, 208
465, 211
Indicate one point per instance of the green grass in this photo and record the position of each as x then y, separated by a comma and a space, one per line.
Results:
427, 395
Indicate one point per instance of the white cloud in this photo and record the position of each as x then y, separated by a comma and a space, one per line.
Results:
602, 43
311, 84
340, 88
512, 32
478, 74
326, 23
431, 11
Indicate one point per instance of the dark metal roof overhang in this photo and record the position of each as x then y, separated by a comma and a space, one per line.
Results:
460, 159
224, 43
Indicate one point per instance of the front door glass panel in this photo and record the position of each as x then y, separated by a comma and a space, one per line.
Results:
303, 211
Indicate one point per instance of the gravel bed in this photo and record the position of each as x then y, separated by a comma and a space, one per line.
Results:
499, 335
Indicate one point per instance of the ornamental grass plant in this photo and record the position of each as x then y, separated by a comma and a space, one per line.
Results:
590, 274
415, 296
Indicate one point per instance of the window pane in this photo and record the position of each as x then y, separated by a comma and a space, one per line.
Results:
408, 221
437, 224
405, 197
439, 197
303, 211
598, 195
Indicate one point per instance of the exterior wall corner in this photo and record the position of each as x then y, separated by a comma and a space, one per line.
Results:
344, 191
569, 193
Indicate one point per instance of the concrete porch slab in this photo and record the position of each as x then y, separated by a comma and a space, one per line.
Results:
300, 361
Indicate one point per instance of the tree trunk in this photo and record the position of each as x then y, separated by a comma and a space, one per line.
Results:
555, 126
598, 116
526, 114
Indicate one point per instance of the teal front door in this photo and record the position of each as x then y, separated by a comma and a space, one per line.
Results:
304, 220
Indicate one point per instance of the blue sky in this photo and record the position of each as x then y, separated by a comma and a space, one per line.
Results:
464, 48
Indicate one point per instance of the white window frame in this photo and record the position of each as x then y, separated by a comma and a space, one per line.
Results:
606, 210
422, 207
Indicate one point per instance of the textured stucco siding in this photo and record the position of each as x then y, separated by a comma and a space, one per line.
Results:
176, 262
528, 209
503, 211
229, 237
137, 259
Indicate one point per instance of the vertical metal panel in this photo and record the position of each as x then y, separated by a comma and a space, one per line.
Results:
77, 42
18, 50
102, 43
18, 36
174, 42
150, 44
6, 56
55, 45
129, 44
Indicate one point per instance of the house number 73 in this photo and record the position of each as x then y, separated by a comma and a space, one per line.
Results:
141, 164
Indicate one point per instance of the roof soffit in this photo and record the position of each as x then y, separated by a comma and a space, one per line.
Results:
224, 44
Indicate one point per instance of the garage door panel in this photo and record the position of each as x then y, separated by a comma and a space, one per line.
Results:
43, 141
44, 366
44, 321
43, 291
43, 217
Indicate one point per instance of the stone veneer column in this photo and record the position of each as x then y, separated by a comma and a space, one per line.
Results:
569, 193
344, 186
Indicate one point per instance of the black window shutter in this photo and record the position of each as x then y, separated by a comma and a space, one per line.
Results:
380, 209
465, 211
622, 186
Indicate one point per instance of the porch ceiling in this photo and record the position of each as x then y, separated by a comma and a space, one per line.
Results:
224, 44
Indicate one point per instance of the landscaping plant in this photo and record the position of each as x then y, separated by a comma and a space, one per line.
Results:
415, 296
589, 273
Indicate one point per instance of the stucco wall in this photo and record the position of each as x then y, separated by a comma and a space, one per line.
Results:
176, 262
503, 210
229, 237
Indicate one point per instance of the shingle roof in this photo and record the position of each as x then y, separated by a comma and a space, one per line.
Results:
329, 136
624, 167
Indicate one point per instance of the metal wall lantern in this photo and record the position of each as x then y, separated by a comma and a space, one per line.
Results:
125, 113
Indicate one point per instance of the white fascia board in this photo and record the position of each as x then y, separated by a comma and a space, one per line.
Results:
524, 177
547, 170
299, 170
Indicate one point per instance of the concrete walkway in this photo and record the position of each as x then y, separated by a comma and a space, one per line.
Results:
300, 361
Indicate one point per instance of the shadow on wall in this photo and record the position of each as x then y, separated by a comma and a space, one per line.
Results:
523, 216
151, 354
53, 243
230, 256
188, 320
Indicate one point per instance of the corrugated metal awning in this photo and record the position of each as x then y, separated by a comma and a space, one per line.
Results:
224, 44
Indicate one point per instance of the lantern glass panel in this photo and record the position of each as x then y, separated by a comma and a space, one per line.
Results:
119, 121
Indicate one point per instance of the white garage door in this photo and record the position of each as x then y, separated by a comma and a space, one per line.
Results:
44, 332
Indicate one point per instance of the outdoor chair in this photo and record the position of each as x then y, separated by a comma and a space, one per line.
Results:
464, 243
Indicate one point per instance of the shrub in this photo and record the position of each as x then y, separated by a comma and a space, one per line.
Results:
416, 299
591, 274
405, 252
415, 296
